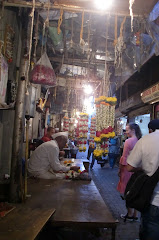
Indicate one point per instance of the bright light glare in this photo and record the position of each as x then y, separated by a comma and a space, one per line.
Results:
77, 114
76, 121
103, 4
88, 89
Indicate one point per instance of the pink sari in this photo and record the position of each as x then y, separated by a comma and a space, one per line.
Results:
125, 175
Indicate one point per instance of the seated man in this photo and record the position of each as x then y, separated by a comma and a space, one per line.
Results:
44, 162
48, 136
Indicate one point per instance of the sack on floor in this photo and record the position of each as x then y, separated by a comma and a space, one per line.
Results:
139, 190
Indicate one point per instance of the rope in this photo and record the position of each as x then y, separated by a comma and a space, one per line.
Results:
106, 73
60, 22
81, 33
131, 2
116, 31
122, 26
89, 31
30, 43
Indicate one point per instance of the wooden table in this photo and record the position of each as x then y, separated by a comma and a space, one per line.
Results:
78, 203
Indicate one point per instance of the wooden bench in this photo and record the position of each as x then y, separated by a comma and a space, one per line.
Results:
24, 223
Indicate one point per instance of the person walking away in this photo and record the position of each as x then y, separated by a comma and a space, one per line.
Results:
114, 149
134, 134
145, 156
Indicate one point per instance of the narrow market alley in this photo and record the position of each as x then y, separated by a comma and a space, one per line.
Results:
106, 180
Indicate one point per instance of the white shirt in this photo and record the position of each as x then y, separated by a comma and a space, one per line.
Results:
46, 157
145, 154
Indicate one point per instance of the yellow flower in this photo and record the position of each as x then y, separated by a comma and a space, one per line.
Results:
104, 136
114, 99
112, 134
106, 151
97, 139
98, 153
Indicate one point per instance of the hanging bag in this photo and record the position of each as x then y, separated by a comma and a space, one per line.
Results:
139, 190
43, 72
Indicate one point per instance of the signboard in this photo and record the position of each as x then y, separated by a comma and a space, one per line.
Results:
3, 78
151, 94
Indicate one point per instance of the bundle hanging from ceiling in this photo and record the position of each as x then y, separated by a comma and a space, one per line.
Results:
81, 32
131, 2
60, 21
119, 47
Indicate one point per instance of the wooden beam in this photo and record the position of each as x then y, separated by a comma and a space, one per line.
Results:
25, 4
78, 61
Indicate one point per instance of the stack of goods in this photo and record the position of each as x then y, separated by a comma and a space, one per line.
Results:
105, 116
65, 124
83, 130
92, 132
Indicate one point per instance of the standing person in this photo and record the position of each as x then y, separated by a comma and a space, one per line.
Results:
145, 155
114, 149
134, 134
44, 162
48, 136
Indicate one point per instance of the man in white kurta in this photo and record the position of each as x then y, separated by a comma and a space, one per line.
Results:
44, 162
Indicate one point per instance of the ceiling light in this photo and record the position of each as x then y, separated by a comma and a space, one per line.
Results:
103, 4
88, 89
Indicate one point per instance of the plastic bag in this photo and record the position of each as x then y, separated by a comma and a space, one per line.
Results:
43, 72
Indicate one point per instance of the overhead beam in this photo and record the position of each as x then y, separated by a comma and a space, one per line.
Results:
78, 61
51, 6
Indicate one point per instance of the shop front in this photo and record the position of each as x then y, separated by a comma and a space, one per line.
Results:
137, 111
151, 96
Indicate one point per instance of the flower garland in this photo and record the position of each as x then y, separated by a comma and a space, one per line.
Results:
92, 132
105, 116
83, 130
65, 124
71, 132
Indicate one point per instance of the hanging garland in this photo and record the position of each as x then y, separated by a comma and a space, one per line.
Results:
65, 124
71, 133
92, 132
83, 130
105, 116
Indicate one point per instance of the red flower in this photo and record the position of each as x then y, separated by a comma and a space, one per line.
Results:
98, 133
